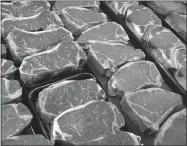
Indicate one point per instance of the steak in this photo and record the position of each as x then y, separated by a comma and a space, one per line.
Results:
148, 108
23, 43
3, 51
164, 45
108, 57
173, 131
27, 140
93, 120
15, 118
59, 5
61, 96
65, 56
77, 19
139, 18
7, 69
163, 8
178, 23
42, 21
134, 76
121, 138
23, 8
10, 91
101, 33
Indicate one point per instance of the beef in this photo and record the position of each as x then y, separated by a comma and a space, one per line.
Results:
15, 118
41, 21
93, 120
121, 138
173, 131
101, 33
164, 45
139, 18
59, 5
3, 51
10, 91
163, 8
23, 43
7, 69
134, 76
23, 8
178, 23
77, 19
148, 108
108, 57
180, 74
65, 56
61, 96
27, 140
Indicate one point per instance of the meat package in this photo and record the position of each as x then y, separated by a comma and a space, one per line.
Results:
93, 73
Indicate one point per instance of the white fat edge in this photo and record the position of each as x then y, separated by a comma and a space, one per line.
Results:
129, 12
56, 17
167, 124
78, 57
136, 138
3, 61
13, 137
56, 128
137, 29
24, 117
122, 35
93, 140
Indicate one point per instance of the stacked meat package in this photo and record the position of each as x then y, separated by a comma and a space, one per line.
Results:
71, 74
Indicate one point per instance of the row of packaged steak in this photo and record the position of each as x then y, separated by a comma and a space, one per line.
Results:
161, 41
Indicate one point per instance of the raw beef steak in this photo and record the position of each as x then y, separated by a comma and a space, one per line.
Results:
108, 31
121, 138
108, 57
10, 91
178, 23
164, 45
61, 96
173, 131
23, 43
3, 51
41, 21
139, 18
7, 69
93, 120
27, 140
23, 8
77, 19
134, 76
66, 56
148, 108
59, 5
15, 118
163, 8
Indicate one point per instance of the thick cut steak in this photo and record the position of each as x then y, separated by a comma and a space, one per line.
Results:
108, 31
173, 131
108, 57
164, 45
41, 21
59, 97
10, 91
65, 56
93, 120
77, 19
23, 43
121, 138
3, 51
7, 69
15, 118
59, 5
163, 8
139, 18
23, 8
134, 76
148, 108
27, 140
178, 23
